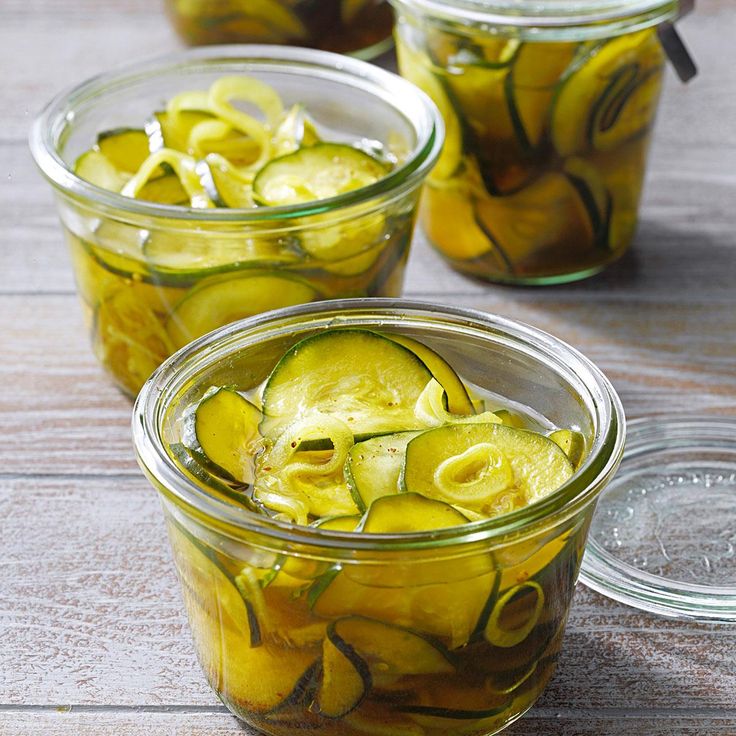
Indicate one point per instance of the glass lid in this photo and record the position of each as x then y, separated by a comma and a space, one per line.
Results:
663, 538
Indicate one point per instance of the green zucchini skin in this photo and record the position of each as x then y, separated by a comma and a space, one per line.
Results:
356, 667
299, 378
217, 445
451, 713
309, 165
209, 554
221, 300
373, 467
192, 464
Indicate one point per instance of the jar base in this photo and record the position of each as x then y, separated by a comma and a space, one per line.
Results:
542, 280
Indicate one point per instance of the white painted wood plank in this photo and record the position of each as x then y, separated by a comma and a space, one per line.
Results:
220, 724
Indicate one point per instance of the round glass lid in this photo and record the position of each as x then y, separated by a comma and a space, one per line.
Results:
663, 537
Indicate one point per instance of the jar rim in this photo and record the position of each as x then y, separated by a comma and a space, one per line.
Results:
180, 369
547, 14
48, 128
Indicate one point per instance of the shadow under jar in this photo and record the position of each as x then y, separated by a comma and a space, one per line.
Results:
450, 631
549, 108
358, 27
151, 277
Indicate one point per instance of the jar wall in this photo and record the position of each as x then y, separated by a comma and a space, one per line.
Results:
421, 647
546, 147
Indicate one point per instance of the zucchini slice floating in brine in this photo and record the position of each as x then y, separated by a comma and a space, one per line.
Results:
346, 679
410, 512
572, 444
546, 219
220, 300
374, 466
316, 172
415, 66
391, 651
485, 467
222, 432
96, 168
458, 401
125, 148
208, 586
319, 374
608, 94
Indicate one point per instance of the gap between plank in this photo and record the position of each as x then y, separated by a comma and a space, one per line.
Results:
541, 713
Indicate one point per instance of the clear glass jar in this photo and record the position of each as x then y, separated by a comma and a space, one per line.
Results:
361, 28
151, 277
265, 598
549, 107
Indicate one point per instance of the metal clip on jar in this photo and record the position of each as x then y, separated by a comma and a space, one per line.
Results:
549, 107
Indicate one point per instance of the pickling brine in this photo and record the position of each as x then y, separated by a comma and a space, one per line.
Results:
374, 433
542, 170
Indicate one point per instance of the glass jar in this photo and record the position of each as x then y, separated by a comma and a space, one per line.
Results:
549, 107
151, 277
358, 27
459, 628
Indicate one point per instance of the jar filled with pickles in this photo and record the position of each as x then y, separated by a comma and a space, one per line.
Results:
549, 107
358, 27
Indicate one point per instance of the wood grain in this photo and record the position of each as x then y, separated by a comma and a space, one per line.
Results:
93, 639
179, 723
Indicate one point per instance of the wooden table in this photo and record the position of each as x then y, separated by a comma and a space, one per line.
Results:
93, 638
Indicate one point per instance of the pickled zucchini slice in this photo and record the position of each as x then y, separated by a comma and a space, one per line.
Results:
207, 585
440, 600
316, 172
265, 679
339, 523
172, 129
125, 148
531, 84
280, 17
410, 512
418, 69
192, 466
96, 168
541, 221
390, 651
319, 374
487, 468
222, 432
129, 338
373, 467
595, 197
166, 189
511, 419
450, 222
572, 444
609, 93
346, 679
458, 401
220, 300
